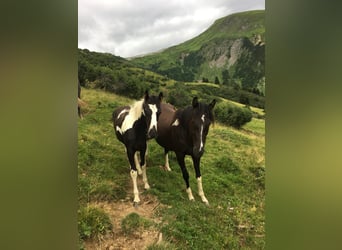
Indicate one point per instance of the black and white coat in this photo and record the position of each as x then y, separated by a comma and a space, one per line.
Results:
133, 126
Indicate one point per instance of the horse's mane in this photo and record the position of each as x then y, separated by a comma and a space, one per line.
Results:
136, 109
182, 114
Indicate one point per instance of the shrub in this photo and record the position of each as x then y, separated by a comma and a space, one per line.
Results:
133, 222
179, 96
92, 222
232, 115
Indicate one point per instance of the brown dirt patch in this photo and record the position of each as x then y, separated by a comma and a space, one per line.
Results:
119, 210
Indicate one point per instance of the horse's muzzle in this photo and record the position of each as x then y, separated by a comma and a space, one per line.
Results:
152, 133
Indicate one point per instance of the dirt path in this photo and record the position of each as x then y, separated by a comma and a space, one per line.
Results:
119, 210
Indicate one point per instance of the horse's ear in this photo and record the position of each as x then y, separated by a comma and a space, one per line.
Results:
146, 95
212, 104
161, 96
195, 102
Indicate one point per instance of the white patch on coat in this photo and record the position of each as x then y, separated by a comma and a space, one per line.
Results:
133, 115
122, 112
175, 123
118, 129
154, 110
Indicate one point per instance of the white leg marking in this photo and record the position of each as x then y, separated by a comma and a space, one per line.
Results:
200, 190
153, 117
175, 123
147, 186
167, 166
191, 197
137, 163
134, 175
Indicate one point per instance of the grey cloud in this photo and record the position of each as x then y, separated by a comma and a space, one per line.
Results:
133, 27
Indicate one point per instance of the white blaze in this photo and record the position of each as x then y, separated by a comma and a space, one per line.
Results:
153, 117
201, 145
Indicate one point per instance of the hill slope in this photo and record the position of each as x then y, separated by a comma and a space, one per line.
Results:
231, 50
118, 75
233, 169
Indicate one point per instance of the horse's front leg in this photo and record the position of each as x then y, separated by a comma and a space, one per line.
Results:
181, 162
143, 153
196, 161
134, 174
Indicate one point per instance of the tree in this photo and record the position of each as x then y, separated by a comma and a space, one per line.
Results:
225, 77
204, 79
217, 81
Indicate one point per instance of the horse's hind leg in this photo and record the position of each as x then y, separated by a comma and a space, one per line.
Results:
181, 162
143, 154
137, 163
134, 174
167, 165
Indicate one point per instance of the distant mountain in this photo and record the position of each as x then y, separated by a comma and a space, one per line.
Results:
230, 52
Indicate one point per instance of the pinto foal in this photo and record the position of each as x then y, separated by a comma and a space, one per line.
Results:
133, 126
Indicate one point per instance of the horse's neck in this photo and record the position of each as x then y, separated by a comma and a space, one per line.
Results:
184, 116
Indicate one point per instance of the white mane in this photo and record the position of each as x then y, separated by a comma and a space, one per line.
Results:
134, 114
136, 109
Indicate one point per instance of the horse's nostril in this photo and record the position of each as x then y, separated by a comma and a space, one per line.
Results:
152, 134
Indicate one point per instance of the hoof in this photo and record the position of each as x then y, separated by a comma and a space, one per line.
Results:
147, 187
165, 168
207, 204
135, 204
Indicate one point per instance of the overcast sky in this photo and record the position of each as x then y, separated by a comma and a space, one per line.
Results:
134, 27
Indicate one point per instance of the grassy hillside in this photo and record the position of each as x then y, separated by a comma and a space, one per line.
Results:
233, 170
117, 75
234, 43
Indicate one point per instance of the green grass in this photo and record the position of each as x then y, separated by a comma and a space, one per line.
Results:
134, 223
233, 173
93, 222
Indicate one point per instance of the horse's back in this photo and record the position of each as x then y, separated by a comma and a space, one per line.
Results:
166, 117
